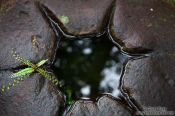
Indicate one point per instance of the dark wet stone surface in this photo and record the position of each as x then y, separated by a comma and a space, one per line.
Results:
137, 23
24, 29
150, 81
85, 16
105, 106
35, 96
145, 23
148, 24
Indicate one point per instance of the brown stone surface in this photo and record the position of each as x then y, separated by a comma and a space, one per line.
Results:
137, 23
148, 24
85, 16
151, 81
145, 23
34, 96
105, 106
23, 28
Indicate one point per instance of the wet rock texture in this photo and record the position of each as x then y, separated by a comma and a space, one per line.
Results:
137, 23
23, 28
32, 97
105, 106
151, 81
85, 16
145, 23
148, 24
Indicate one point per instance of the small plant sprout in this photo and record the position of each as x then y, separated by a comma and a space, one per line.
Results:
24, 73
64, 19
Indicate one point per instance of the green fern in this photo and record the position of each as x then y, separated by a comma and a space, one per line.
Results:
24, 73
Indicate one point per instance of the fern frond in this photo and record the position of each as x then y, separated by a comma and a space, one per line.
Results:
24, 61
20, 75
48, 76
13, 84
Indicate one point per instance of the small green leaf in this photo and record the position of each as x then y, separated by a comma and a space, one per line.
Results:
23, 72
64, 19
41, 62
17, 57
48, 76
69, 99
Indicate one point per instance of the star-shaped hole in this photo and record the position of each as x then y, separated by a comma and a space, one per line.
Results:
89, 67
91, 64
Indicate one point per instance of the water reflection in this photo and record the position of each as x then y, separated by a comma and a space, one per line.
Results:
89, 67
111, 77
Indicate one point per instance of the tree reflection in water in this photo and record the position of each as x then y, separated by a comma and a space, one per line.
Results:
89, 67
